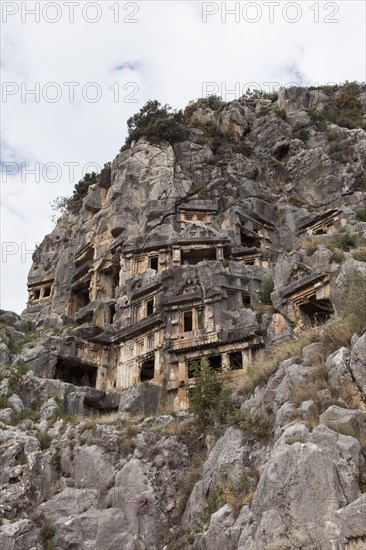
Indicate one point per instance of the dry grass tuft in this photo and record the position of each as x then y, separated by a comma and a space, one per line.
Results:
305, 393
309, 243
360, 254
350, 303
262, 369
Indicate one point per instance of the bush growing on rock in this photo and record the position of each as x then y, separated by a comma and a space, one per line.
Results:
345, 110
266, 290
156, 123
350, 303
210, 399
47, 533
345, 241
361, 215
45, 440
73, 204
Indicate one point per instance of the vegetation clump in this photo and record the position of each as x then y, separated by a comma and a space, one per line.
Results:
156, 123
210, 398
266, 290
350, 303
47, 533
361, 215
345, 109
45, 440
73, 204
256, 426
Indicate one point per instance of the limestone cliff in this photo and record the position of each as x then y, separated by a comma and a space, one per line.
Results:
243, 245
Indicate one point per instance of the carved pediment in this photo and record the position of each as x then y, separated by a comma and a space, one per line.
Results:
297, 272
190, 286
198, 230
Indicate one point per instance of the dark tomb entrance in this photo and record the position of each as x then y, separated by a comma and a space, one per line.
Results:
236, 360
147, 370
75, 372
316, 312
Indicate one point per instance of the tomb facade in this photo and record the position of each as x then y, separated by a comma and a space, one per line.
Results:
176, 282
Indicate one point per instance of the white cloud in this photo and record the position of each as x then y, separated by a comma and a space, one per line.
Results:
167, 55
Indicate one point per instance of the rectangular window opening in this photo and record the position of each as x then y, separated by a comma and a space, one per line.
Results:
111, 313
188, 321
150, 307
215, 362
154, 262
46, 291
236, 360
192, 367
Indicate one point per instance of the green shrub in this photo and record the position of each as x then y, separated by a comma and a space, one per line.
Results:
16, 348
303, 134
156, 123
337, 256
345, 241
265, 290
18, 417
4, 402
22, 368
45, 440
210, 399
208, 128
295, 202
245, 148
214, 102
47, 533
272, 96
281, 113
361, 215
73, 204
212, 505
255, 425
344, 109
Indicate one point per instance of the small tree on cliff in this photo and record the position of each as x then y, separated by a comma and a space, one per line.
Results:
210, 398
73, 204
156, 123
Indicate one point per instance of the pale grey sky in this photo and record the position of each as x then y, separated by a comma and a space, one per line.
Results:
91, 65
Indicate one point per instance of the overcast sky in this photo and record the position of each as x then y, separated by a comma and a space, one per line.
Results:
91, 65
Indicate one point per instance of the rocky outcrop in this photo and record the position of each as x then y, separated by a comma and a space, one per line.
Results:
234, 246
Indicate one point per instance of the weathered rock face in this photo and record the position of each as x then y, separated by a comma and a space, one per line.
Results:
180, 253
114, 481
171, 247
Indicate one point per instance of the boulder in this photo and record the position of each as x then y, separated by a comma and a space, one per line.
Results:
348, 421
308, 477
21, 535
16, 403
49, 409
225, 462
140, 399
69, 502
358, 364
